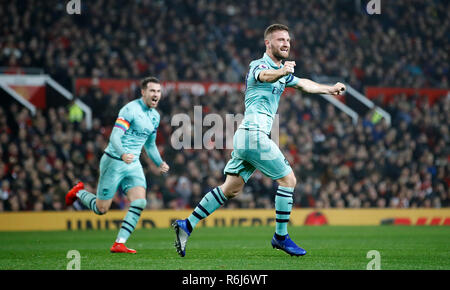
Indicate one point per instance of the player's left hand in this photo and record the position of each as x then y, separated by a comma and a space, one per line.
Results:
163, 168
288, 67
337, 89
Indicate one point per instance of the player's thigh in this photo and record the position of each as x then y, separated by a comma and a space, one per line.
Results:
133, 182
136, 192
288, 180
110, 178
238, 167
269, 159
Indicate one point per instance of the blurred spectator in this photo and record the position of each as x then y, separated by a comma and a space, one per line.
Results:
336, 163
75, 113
405, 46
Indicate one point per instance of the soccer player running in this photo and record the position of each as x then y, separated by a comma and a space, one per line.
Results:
252, 148
135, 128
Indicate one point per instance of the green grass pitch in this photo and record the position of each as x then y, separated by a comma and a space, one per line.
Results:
234, 248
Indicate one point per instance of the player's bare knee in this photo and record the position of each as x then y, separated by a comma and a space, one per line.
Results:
102, 210
230, 192
288, 181
293, 181
102, 206
232, 186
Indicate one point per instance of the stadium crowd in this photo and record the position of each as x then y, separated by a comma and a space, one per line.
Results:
336, 163
406, 45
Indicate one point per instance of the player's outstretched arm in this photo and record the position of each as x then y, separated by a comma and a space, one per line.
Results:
312, 87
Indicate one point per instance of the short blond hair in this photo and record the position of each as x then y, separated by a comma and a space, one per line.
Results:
275, 27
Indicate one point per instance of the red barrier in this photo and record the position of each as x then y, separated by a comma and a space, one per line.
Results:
197, 88
200, 88
34, 94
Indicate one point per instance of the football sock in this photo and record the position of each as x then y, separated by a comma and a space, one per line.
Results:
89, 200
209, 203
283, 207
131, 219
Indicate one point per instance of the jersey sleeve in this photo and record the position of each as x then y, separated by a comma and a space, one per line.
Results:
256, 68
152, 149
121, 125
150, 145
124, 119
291, 80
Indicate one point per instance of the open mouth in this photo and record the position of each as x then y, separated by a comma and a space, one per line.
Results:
154, 101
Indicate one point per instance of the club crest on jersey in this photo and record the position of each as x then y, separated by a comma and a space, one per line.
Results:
263, 66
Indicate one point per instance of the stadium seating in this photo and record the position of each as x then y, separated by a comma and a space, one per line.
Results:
336, 163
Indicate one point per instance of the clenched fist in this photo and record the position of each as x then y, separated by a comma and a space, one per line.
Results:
127, 158
337, 89
163, 168
288, 67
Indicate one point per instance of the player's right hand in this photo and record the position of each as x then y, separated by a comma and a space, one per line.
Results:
127, 158
337, 89
164, 167
288, 67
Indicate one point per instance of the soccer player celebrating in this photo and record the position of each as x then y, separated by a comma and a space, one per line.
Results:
135, 127
252, 148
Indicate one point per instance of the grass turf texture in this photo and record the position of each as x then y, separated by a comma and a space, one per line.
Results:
233, 248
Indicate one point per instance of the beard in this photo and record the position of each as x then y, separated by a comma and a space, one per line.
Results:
150, 103
279, 54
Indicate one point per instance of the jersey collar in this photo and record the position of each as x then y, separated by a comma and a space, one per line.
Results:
267, 58
143, 105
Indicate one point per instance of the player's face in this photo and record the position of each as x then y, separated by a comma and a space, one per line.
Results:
279, 44
152, 94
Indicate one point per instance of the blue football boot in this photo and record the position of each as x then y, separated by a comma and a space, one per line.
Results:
182, 234
288, 246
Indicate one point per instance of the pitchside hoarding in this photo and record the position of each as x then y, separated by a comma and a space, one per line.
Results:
86, 220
